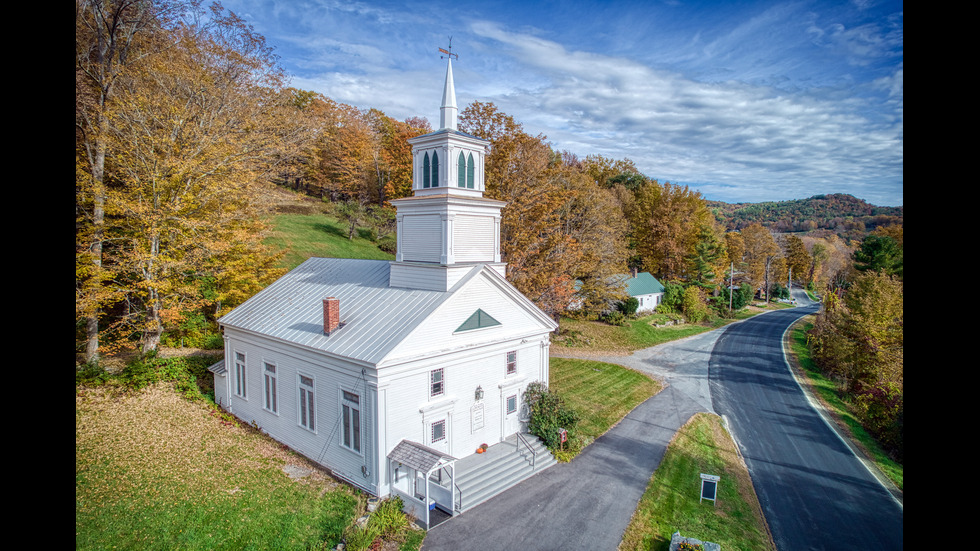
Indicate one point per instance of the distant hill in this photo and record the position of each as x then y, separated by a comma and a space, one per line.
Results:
838, 213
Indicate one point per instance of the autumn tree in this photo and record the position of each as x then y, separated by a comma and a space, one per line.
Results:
390, 156
195, 129
818, 254
761, 251
667, 221
591, 217
111, 38
606, 172
798, 259
558, 226
858, 338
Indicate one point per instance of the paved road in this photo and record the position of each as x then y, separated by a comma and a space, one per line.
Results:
815, 492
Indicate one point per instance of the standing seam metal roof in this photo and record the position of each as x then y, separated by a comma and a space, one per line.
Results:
375, 317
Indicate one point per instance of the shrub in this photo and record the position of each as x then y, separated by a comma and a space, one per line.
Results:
189, 374
614, 318
92, 374
673, 300
628, 307
777, 291
389, 519
548, 414
694, 306
360, 538
881, 409
388, 244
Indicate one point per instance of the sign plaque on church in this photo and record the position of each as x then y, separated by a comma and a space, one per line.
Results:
476, 416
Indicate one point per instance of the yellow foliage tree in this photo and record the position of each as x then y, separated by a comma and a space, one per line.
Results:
667, 220
196, 129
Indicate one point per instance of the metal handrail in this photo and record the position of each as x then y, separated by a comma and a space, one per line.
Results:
522, 440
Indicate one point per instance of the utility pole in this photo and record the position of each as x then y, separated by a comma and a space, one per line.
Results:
731, 286
789, 283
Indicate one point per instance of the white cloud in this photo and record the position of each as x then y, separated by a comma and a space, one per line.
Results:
680, 129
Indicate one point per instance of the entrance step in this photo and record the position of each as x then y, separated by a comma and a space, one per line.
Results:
480, 478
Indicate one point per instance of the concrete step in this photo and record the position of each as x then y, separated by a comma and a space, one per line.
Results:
504, 472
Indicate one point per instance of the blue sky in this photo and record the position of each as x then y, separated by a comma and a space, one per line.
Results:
742, 101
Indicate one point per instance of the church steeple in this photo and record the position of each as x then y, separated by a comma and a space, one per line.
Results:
447, 226
448, 112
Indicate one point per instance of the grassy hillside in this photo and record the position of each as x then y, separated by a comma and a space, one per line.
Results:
304, 236
305, 227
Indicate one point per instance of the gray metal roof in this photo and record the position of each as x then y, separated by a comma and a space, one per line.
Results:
218, 368
419, 457
375, 317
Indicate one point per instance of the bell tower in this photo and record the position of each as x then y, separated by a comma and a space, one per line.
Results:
447, 225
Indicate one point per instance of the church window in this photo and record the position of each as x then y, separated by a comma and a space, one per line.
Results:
271, 388
436, 383
240, 375
439, 431
470, 172
461, 170
307, 403
435, 169
425, 172
351, 413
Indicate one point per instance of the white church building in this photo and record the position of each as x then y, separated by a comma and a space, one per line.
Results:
391, 374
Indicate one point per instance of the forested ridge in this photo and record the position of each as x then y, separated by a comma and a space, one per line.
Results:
839, 213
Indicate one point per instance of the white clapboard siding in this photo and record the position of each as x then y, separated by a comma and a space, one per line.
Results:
411, 415
425, 243
474, 238
323, 444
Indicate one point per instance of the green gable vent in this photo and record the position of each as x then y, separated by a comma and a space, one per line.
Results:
477, 320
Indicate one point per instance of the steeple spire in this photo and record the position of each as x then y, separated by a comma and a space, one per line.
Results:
448, 111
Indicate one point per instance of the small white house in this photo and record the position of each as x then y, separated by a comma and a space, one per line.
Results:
389, 372
646, 290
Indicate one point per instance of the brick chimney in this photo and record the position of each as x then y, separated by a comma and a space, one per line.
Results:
331, 314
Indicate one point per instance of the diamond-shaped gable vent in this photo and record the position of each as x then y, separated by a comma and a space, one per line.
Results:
478, 320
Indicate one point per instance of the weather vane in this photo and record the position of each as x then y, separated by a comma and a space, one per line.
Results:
449, 52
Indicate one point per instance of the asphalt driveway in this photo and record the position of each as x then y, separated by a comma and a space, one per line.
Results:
588, 502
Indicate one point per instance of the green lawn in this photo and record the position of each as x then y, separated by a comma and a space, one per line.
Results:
601, 393
672, 502
304, 236
595, 336
156, 471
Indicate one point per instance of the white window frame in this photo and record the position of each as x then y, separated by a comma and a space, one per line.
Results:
352, 433
306, 402
270, 384
511, 364
241, 375
511, 411
437, 387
